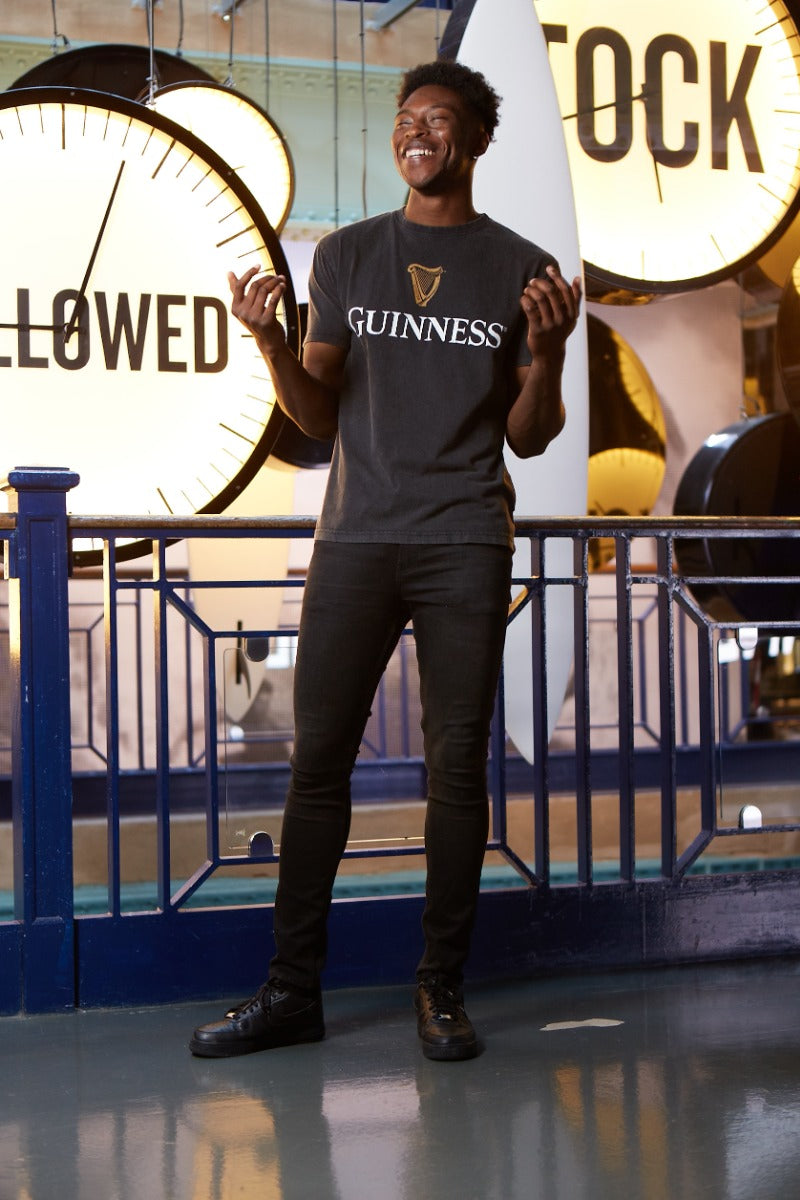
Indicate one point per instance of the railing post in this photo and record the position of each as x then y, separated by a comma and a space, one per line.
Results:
38, 571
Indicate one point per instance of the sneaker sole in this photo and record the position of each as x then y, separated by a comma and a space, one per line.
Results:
449, 1053
231, 1049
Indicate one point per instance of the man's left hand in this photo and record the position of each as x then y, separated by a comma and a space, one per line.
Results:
552, 306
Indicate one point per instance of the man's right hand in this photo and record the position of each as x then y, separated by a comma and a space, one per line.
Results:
255, 303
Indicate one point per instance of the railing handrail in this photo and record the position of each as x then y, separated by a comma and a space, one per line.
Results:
648, 526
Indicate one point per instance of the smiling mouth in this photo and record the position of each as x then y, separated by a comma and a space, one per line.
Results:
417, 152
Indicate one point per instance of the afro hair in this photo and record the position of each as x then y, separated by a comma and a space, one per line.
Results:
470, 85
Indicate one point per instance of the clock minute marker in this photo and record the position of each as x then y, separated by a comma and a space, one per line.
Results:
236, 433
165, 502
718, 248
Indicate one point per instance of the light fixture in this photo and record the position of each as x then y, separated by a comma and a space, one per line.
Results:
225, 9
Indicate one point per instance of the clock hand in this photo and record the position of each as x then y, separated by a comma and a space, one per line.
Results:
72, 324
655, 166
644, 95
27, 328
584, 112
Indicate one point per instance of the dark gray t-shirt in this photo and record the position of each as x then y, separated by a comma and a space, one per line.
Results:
431, 318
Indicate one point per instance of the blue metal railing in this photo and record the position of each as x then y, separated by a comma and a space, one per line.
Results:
50, 958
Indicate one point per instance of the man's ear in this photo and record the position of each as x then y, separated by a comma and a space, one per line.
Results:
483, 142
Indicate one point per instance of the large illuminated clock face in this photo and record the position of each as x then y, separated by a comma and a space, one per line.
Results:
682, 120
119, 357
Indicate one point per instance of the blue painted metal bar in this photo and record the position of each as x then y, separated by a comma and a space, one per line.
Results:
210, 744
666, 692
538, 614
583, 782
187, 691
683, 675
139, 687
627, 837
111, 614
160, 607
37, 570
707, 767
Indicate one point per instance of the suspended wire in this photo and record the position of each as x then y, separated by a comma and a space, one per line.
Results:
363, 111
56, 35
179, 46
231, 22
437, 36
335, 116
152, 78
266, 51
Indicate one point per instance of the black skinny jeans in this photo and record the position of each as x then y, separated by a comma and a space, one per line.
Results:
358, 598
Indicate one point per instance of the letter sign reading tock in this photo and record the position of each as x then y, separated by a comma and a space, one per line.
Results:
118, 355
682, 121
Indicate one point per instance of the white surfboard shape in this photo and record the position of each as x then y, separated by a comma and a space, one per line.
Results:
524, 181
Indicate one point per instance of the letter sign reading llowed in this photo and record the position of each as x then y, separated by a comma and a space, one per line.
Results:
118, 354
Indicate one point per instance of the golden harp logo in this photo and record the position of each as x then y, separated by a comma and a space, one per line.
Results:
425, 282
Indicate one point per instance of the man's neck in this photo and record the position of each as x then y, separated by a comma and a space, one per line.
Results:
445, 209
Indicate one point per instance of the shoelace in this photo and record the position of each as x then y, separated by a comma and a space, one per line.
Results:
445, 1002
261, 1000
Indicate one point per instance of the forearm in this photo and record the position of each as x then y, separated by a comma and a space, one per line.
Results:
312, 403
537, 415
307, 392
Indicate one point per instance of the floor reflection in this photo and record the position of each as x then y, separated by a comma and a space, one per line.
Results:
653, 1085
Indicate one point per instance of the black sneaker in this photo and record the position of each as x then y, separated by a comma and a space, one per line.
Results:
273, 1017
444, 1028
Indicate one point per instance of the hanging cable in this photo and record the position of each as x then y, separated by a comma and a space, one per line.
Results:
152, 78
437, 37
179, 47
231, 22
335, 116
363, 112
266, 52
56, 35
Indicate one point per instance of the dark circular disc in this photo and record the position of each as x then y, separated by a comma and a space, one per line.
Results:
293, 446
749, 469
787, 340
121, 70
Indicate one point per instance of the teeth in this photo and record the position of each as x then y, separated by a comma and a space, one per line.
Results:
419, 153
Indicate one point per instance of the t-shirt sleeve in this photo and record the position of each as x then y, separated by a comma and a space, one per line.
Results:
327, 321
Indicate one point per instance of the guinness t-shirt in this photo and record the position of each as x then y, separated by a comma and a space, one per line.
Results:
431, 319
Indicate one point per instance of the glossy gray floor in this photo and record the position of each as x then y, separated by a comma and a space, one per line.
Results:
661, 1084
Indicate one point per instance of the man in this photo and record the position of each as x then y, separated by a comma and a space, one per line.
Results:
434, 334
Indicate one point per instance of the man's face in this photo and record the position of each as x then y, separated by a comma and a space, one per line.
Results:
436, 138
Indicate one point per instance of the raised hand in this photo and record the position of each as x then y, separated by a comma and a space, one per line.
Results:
255, 303
552, 306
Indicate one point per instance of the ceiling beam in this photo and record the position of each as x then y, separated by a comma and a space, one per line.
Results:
390, 13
